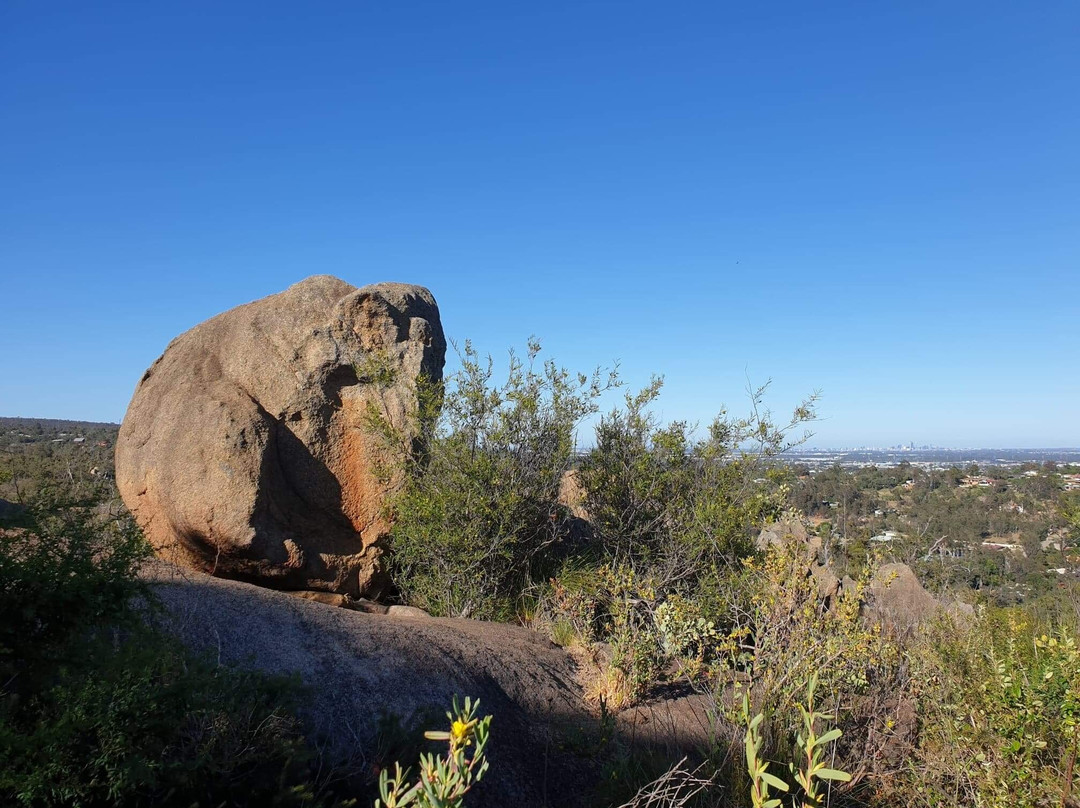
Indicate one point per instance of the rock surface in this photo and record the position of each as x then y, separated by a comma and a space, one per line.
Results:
898, 600
828, 585
572, 495
358, 667
248, 449
10, 510
408, 612
787, 529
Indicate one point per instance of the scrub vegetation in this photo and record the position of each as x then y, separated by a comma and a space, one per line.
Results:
638, 555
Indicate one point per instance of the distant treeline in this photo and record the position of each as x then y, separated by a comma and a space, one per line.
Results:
42, 425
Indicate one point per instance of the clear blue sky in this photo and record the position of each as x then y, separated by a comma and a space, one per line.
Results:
878, 200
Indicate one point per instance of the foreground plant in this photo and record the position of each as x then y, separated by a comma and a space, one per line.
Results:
1000, 713
444, 781
811, 769
479, 518
760, 778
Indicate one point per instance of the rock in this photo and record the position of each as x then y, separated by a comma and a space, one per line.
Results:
408, 612
249, 449
369, 606
10, 510
326, 598
572, 495
342, 601
962, 614
898, 600
787, 530
358, 668
828, 584
677, 726
576, 528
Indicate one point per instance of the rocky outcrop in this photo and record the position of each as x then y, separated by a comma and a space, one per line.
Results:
360, 669
256, 447
572, 495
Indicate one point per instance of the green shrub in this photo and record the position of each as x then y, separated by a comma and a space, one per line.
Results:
784, 633
141, 723
479, 514
60, 578
806, 772
684, 506
683, 632
1000, 710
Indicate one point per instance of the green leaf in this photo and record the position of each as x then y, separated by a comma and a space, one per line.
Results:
775, 781
833, 774
828, 737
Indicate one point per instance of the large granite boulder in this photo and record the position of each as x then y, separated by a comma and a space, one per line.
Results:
256, 447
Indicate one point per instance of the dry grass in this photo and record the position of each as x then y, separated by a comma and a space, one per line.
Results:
605, 684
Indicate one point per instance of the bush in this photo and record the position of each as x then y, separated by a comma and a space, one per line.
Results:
143, 724
1000, 713
479, 514
682, 506
787, 633
777, 633
59, 579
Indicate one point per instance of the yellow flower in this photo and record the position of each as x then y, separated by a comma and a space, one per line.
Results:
461, 732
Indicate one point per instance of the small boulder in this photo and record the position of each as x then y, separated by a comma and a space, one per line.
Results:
962, 614
326, 598
785, 531
369, 606
828, 584
407, 612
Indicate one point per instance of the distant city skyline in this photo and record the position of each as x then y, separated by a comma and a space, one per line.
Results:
875, 201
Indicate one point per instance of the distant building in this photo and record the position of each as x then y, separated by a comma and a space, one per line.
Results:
886, 537
1004, 546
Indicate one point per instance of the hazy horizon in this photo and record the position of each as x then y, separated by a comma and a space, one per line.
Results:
809, 447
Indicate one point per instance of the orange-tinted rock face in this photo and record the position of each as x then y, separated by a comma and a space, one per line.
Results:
248, 449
